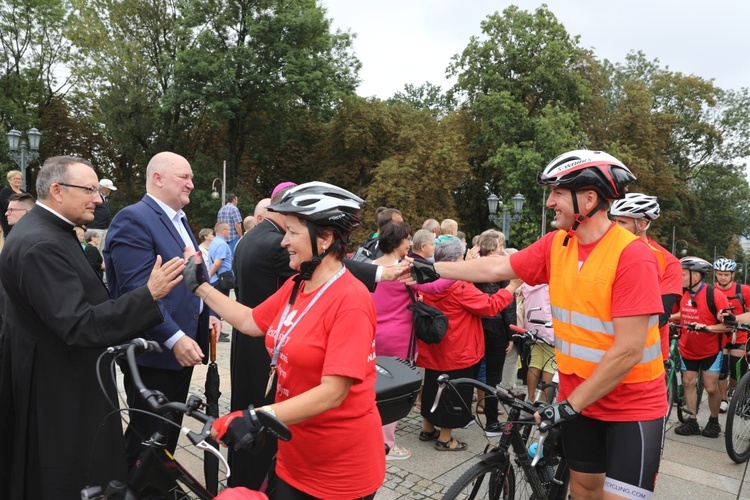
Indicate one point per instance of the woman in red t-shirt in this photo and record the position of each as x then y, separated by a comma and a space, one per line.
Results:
320, 335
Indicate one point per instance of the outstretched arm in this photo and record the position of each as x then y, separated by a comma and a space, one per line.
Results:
477, 270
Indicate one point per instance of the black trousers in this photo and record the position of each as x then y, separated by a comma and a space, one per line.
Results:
494, 358
174, 384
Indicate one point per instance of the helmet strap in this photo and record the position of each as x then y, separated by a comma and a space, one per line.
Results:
580, 218
306, 269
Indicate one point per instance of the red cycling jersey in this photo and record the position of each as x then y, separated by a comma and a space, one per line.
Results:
635, 292
694, 309
740, 337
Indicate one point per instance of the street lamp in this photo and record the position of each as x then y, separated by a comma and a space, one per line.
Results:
223, 180
24, 156
682, 251
505, 221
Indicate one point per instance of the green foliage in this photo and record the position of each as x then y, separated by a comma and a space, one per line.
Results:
269, 87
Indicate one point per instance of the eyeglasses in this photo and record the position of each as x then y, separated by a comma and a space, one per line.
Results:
11, 210
90, 190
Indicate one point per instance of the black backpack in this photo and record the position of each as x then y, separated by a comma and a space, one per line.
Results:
368, 251
712, 304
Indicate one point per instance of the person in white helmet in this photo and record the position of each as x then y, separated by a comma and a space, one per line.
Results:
605, 302
635, 213
700, 348
734, 362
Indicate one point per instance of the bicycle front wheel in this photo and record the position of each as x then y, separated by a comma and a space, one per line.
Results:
484, 481
737, 435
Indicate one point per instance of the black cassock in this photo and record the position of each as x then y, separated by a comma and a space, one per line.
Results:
54, 438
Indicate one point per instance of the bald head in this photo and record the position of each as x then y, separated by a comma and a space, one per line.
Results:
169, 178
260, 210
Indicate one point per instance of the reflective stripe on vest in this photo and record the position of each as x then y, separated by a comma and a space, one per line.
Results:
595, 355
581, 301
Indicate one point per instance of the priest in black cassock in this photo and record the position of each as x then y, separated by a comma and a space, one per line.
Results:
58, 319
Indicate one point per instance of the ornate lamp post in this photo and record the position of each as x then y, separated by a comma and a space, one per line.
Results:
223, 180
24, 156
505, 221
679, 252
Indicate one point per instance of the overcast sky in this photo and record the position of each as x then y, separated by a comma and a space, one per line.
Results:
412, 41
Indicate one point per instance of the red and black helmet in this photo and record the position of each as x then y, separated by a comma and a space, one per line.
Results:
584, 169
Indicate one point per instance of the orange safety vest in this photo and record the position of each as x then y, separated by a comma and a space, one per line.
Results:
582, 308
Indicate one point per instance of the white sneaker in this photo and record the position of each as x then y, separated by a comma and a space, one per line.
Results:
723, 407
398, 453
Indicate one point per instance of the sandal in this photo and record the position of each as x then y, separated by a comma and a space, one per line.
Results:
429, 436
446, 446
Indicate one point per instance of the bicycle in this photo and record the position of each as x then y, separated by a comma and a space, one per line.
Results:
737, 435
675, 389
157, 471
548, 390
494, 476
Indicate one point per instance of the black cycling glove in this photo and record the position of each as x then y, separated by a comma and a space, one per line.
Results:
193, 274
423, 272
558, 412
240, 430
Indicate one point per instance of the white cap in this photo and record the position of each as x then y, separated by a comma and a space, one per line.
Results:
106, 183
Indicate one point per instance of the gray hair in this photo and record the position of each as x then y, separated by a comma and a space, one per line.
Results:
449, 250
54, 170
90, 235
421, 238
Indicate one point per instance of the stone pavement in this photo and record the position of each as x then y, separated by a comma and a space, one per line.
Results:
693, 467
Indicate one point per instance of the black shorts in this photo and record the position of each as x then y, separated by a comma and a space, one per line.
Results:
708, 364
627, 452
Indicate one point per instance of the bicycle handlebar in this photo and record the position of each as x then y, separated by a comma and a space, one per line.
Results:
160, 405
503, 395
530, 334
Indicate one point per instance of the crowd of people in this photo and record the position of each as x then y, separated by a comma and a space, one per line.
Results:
311, 312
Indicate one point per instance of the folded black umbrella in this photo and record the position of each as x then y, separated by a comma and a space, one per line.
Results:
212, 393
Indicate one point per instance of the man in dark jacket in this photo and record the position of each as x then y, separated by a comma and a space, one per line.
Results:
59, 319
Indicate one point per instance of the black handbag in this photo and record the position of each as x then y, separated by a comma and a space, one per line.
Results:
226, 280
429, 323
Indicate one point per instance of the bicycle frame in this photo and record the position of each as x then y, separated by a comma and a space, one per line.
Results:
156, 469
516, 431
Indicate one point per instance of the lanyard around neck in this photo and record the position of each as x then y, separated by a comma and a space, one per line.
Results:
281, 340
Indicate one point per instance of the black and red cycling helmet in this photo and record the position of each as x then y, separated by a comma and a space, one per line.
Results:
584, 169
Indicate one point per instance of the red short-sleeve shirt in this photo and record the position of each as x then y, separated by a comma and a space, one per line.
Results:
335, 337
635, 292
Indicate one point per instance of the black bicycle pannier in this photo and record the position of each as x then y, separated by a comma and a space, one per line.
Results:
396, 388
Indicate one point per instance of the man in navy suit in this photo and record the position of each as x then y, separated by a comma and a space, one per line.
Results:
157, 226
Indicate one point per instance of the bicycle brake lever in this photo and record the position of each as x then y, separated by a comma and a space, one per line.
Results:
539, 452
199, 442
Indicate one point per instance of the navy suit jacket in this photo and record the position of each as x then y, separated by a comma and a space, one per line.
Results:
138, 234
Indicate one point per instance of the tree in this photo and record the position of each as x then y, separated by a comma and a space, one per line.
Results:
32, 38
524, 84
258, 66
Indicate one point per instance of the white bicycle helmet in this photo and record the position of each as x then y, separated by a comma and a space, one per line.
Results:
696, 264
324, 205
724, 264
637, 206
584, 169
